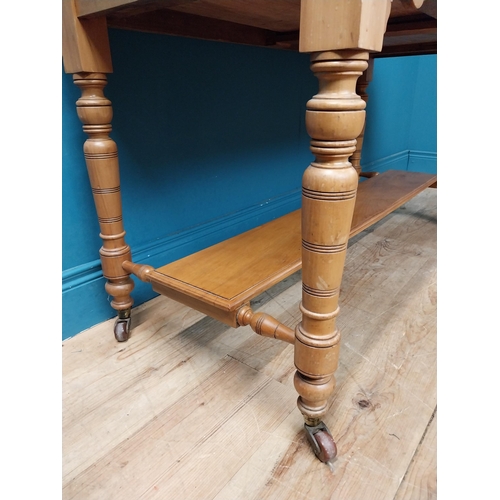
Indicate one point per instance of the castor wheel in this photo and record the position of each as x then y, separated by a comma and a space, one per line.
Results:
321, 441
122, 326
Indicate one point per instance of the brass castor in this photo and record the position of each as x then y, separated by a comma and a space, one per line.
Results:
122, 326
321, 442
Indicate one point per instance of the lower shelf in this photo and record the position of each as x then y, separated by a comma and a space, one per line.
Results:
218, 280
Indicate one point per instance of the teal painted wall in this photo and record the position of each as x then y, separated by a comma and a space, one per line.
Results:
211, 142
401, 123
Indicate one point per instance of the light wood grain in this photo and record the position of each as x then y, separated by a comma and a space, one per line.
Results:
282, 13
241, 266
260, 22
101, 157
420, 481
338, 25
85, 44
190, 408
219, 279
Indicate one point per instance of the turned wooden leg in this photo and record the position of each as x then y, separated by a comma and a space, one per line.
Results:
334, 119
101, 156
361, 86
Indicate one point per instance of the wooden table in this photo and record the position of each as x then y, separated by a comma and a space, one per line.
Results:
342, 37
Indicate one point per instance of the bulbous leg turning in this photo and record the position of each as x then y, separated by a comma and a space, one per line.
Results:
334, 118
101, 157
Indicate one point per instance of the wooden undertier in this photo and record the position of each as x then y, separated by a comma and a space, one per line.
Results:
218, 280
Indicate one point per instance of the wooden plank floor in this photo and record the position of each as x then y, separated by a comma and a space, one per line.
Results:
189, 408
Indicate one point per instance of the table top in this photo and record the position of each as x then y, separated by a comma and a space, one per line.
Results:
411, 29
